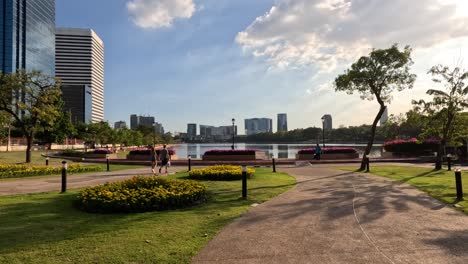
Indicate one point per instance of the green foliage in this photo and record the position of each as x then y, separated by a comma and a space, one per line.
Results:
14, 171
220, 173
375, 77
141, 194
33, 100
445, 117
62, 129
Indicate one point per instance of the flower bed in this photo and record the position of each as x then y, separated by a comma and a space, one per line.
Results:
220, 173
411, 147
141, 194
145, 154
237, 154
8, 171
328, 153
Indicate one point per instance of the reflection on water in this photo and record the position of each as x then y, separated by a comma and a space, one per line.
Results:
281, 151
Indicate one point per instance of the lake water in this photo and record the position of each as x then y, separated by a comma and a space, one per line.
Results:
282, 151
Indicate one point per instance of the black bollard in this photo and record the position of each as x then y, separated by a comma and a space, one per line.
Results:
458, 182
274, 165
47, 161
64, 176
108, 163
189, 164
449, 163
244, 182
367, 164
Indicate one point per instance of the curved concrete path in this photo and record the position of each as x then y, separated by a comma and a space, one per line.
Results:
54, 183
343, 217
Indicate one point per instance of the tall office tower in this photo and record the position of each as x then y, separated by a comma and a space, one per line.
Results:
282, 122
120, 125
384, 117
134, 122
78, 101
327, 122
27, 36
79, 60
258, 125
191, 130
159, 128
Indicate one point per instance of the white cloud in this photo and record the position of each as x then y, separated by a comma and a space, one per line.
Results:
159, 13
328, 33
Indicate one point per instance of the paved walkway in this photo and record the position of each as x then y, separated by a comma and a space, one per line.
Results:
343, 217
47, 184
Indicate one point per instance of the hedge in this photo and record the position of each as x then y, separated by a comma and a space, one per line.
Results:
147, 152
141, 194
328, 151
220, 173
231, 152
411, 146
9, 171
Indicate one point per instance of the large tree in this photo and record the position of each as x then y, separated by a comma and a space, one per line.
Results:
375, 77
33, 101
446, 106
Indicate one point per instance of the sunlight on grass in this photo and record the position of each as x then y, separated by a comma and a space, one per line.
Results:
439, 184
45, 228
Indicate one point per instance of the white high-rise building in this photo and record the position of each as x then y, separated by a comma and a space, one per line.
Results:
79, 60
384, 117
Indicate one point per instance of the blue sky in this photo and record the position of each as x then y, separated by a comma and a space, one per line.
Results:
208, 61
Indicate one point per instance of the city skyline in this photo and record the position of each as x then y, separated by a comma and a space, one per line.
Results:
176, 66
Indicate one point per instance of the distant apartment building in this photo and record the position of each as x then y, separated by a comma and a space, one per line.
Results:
120, 125
384, 117
258, 125
136, 121
79, 60
191, 130
282, 123
219, 133
77, 100
327, 122
159, 128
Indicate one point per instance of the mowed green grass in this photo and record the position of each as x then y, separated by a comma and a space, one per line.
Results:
46, 228
18, 157
439, 184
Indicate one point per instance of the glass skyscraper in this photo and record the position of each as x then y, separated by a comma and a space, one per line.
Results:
27, 35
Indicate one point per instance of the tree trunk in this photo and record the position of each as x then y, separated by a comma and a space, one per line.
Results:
440, 155
371, 139
29, 141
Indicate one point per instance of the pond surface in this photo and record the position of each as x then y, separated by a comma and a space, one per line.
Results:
282, 151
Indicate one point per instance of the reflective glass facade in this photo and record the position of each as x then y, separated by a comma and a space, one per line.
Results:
27, 34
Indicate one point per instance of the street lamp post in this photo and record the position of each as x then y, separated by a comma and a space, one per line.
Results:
233, 132
323, 132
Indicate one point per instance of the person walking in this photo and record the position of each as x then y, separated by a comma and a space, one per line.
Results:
154, 159
165, 158
318, 152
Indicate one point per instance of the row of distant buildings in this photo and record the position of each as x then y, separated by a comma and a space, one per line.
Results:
137, 121
252, 126
30, 40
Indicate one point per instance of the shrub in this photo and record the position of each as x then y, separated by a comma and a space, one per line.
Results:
102, 151
147, 152
231, 152
72, 153
9, 171
411, 146
328, 151
141, 194
220, 173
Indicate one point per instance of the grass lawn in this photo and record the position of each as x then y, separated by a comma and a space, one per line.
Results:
438, 184
45, 228
18, 157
